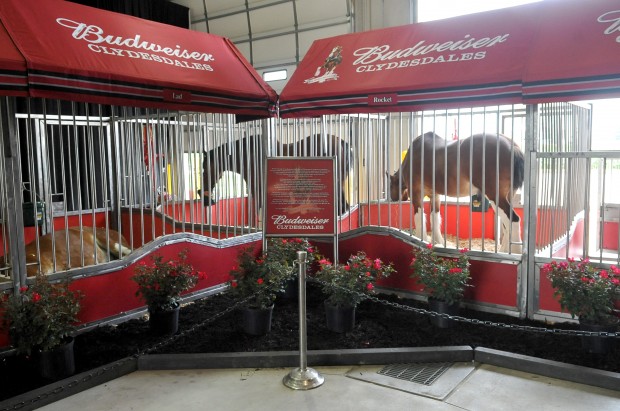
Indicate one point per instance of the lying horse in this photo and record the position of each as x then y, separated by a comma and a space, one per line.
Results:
488, 155
95, 245
244, 156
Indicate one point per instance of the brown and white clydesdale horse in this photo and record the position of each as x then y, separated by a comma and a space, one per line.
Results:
96, 247
480, 164
243, 156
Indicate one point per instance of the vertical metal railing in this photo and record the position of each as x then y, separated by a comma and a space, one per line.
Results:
303, 377
136, 171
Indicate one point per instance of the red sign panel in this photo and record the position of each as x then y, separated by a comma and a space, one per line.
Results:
300, 197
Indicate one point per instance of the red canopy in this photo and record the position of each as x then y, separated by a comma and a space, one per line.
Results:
548, 50
80, 53
13, 75
576, 55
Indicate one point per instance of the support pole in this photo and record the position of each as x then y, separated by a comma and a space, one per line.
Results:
302, 378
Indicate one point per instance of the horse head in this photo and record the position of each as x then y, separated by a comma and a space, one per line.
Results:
398, 189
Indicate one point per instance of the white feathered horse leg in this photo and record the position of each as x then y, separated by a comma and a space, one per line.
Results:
420, 224
509, 232
436, 236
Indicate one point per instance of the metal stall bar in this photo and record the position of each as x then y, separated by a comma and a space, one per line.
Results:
11, 175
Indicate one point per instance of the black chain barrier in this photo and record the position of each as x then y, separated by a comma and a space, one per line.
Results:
160, 344
471, 320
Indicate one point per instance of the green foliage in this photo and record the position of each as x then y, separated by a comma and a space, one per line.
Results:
41, 315
160, 283
258, 276
284, 251
443, 278
347, 284
583, 290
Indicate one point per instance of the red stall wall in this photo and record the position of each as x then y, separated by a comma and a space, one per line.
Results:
112, 293
118, 290
493, 282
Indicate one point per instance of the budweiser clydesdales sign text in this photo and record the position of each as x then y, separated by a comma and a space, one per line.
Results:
300, 197
98, 41
383, 57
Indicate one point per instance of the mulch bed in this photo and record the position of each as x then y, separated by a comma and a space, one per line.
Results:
377, 326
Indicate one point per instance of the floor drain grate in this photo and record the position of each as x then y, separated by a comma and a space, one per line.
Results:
420, 373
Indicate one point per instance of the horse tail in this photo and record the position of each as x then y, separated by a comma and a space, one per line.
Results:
519, 168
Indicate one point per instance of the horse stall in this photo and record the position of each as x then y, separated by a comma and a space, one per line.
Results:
105, 130
472, 132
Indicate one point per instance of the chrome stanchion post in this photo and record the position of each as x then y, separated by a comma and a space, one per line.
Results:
302, 378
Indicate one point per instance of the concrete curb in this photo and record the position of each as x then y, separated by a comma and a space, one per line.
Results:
518, 362
274, 359
547, 368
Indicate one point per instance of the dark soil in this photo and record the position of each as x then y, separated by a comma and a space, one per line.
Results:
377, 326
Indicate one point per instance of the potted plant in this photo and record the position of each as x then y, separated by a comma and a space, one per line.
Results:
346, 285
41, 320
443, 278
588, 293
284, 251
260, 280
160, 284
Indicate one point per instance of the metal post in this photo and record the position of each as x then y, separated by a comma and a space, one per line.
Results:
302, 378
14, 207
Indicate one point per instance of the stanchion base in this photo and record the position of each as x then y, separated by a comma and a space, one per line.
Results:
299, 379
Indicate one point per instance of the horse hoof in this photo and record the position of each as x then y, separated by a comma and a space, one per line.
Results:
438, 240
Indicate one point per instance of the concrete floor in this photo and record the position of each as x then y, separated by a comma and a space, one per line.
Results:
485, 387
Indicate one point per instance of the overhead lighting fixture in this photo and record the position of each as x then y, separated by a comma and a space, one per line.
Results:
275, 75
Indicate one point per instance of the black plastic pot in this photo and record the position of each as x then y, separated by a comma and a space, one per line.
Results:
339, 319
57, 363
443, 307
256, 321
164, 322
598, 344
